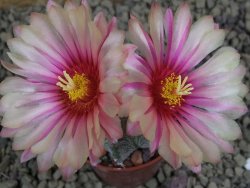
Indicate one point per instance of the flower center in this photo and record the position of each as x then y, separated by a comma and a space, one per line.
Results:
76, 87
174, 88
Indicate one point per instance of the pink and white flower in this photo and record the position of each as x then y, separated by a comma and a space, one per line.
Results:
62, 105
184, 107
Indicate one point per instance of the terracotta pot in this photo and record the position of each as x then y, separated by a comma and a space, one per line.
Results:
128, 177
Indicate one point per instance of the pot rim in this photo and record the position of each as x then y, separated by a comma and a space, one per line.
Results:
128, 169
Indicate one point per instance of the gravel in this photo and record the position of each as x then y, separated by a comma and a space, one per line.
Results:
233, 15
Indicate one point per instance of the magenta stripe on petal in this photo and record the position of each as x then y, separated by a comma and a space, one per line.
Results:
203, 130
180, 45
144, 63
140, 88
169, 23
158, 133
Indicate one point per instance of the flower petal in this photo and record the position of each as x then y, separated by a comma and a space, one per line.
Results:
61, 22
177, 143
182, 23
110, 84
26, 155
156, 30
112, 126
16, 84
222, 126
17, 117
148, 124
224, 60
166, 152
206, 132
78, 146
138, 106
141, 39
109, 104
233, 107
205, 47
38, 133
210, 151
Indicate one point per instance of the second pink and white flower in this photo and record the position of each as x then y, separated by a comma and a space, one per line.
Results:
184, 107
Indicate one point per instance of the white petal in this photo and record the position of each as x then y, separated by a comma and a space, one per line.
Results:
110, 85
197, 31
109, 104
16, 84
148, 123
156, 30
138, 106
210, 151
209, 42
17, 117
222, 126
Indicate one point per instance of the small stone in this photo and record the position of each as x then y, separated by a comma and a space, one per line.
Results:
5, 162
247, 16
72, 178
167, 170
87, 185
238, 171
5, 36
200, 3
8, 184
227, 183
42, 184
56, 175
179, 181
98, 185
106, 3
229, 172
60, 184
152, 183
225, 2
248, 25
136, 158
52, 184
33, 167
198, 186
83, 178
216, 11
44, 175
11, 18
92, 176
247, 175
203, 179
212, 185
240, 160
27, 185
190, 182
160, 176
235, 42
94, 2
243, 146
210, 3
246, 119
141, 186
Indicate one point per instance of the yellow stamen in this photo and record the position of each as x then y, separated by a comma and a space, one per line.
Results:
173, 89
76, 87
